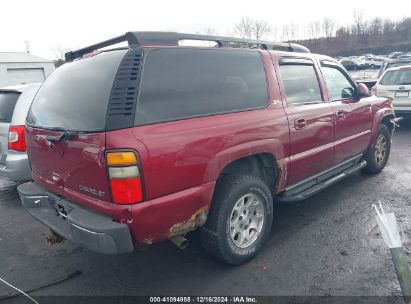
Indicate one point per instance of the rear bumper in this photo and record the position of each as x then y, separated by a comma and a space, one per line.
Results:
81, 226
402, 106
17, 167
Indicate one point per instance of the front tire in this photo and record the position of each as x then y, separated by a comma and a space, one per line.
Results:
377, 155
240, 219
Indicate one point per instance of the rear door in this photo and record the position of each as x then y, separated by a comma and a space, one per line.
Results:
353, 117
310, 118
8, 100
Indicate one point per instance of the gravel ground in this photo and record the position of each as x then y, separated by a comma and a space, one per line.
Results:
328, 245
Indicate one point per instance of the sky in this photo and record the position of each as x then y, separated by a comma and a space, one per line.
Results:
47, 24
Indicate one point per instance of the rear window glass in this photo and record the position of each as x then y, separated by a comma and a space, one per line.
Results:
399, 77
76, 95
7, 103
301, 84
184, 83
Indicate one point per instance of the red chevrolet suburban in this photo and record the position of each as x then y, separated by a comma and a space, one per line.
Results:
133, 145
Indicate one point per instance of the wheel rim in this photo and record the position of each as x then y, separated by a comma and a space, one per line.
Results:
246, 221
380, 149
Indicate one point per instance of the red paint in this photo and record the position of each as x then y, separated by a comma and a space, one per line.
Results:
181, 160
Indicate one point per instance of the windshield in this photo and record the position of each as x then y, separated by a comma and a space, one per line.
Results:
75, 97
398, 77
7, 103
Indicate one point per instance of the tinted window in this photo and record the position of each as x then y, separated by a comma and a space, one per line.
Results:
338, 85
399, 77
301, 84
76, 95
183, 83
7, 103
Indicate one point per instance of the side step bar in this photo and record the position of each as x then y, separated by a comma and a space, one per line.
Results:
318, 187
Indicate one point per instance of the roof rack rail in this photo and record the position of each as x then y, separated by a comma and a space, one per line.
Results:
173, 38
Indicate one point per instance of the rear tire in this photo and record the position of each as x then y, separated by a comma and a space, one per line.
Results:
377, 155
240, 219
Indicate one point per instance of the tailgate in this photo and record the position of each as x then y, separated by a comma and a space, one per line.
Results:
70, 166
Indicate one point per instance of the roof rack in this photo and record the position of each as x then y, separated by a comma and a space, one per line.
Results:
173, 38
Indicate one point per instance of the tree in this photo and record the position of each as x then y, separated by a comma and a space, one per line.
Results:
59, 52
274, 33
28, 46
359, 24
314, 29
376, 26
210, 31
250, 28
261, 29
245, 27
342, 32
290, 32
328, 26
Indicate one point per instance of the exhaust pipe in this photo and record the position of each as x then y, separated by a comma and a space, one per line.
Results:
180, 241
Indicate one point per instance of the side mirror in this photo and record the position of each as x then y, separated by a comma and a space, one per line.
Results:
362, 91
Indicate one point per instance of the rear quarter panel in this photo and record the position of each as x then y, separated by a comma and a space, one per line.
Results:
183, 154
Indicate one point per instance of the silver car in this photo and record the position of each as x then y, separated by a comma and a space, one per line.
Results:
15, 102
396, 84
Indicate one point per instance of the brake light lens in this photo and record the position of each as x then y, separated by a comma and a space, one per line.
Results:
125, 179
17, 138
127, 191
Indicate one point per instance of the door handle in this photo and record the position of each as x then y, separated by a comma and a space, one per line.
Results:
340, 114
300, 124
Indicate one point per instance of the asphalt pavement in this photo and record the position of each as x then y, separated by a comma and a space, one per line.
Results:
328, 245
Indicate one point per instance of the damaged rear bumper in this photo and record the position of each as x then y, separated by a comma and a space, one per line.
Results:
81, 226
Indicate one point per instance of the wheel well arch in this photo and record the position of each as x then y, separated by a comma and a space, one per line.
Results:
261, 165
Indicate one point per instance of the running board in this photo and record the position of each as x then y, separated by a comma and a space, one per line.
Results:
284, 198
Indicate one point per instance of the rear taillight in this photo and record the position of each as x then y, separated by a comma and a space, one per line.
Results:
374, 90
17, 138
124, 175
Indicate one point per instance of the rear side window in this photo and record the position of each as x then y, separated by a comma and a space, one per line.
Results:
76, 95
184, 83
7, 103
399, 77
301, 84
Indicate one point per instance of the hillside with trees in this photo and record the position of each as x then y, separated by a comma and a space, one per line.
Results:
376, 35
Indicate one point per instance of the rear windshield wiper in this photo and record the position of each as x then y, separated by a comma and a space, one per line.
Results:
405, 83
65, 135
